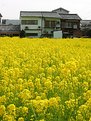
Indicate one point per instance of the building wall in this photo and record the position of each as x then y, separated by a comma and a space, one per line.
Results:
60, 10
31, 28
71, 28
40, 28
49, 29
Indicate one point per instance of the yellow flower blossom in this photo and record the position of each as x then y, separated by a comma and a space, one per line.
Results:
79, 117
25, 94
42, 120
24, 110
85, 86
2, 99
20, 119
87, 94
48, 84
7, 117
90, 119
53, 102
2, 110
44, 79
11, 109
71, 103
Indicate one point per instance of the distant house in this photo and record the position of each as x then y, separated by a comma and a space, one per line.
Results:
10, 22
86, 28
10, 27
85, 24
38, 23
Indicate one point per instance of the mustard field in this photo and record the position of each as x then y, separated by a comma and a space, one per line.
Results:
45, 79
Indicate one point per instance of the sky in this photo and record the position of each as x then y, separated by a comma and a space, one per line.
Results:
10, 9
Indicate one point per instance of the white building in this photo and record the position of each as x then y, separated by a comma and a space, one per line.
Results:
41, 23
36, 23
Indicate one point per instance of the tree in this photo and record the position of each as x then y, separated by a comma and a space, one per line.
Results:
22, 33
88, 33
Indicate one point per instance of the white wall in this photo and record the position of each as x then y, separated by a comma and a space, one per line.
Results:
31, 26
57, 34
49, 30
34, 31
35, 28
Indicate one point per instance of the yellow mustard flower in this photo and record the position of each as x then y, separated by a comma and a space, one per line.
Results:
20, 119
11, 109
2, 110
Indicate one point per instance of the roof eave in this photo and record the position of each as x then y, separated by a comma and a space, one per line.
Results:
1, 15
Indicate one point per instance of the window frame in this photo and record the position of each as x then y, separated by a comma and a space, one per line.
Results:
29, 22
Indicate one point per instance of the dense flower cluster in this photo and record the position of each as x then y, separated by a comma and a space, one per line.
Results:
45, 79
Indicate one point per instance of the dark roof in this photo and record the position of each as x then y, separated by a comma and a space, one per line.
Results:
50, 14
0, 15
70, 16
40, 14
85, 22
31, 13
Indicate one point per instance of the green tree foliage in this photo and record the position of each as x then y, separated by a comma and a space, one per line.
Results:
22, 33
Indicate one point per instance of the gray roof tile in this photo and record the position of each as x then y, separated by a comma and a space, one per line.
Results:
49, 14
69, 16
30, 13
40, 14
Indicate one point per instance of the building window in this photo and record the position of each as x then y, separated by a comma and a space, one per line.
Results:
47, 24
68, 25
75, 25
53, 24
50, 24
29, 22
31, 34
